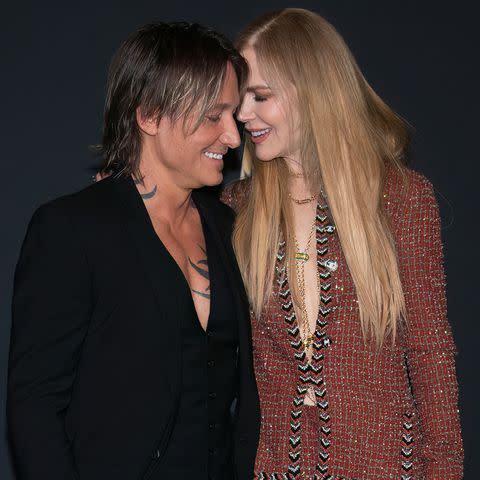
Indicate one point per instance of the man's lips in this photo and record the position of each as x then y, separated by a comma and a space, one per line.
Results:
213, 155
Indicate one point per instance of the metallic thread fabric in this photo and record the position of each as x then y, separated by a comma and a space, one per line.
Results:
388, 414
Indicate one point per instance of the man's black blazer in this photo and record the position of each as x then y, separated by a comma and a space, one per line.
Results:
94, 373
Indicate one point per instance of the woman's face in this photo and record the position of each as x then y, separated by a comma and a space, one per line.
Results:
269, 116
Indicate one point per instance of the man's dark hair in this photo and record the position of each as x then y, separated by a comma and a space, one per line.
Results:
165, 69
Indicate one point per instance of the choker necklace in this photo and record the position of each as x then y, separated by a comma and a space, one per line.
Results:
303, 201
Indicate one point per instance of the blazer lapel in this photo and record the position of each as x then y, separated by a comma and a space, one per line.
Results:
221, 231
165, 278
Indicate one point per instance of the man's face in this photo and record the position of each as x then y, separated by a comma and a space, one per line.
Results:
195, 159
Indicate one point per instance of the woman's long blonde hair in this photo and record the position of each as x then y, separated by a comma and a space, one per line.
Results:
349, 136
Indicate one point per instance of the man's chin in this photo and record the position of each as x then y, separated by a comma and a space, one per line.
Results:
211, 181
216, 181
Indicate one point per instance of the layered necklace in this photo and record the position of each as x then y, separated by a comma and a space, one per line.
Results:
301, 258
302, 201
309, 347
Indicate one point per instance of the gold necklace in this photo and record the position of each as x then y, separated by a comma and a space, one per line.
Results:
302, 258
302, 201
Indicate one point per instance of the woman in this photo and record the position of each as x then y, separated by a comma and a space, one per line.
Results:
339, 247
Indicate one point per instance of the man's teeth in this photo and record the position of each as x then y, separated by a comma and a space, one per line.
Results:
216, 156
260, 132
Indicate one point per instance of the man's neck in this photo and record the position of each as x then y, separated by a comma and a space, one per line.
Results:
164, 198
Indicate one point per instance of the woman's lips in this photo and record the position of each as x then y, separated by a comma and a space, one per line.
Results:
259, 136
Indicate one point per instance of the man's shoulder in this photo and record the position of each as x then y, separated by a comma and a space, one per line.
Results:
86, 204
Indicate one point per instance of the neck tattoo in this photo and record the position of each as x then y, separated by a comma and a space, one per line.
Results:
146, 195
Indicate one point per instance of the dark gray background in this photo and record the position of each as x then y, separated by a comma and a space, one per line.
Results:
421, 57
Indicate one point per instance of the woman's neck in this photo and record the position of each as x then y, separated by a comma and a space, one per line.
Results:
298, 184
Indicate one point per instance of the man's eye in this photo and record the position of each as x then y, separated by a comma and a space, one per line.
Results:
213, 118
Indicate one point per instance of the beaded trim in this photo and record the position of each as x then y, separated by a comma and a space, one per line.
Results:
310, 373
407, 447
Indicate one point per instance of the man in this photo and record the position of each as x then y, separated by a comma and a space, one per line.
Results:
130, 341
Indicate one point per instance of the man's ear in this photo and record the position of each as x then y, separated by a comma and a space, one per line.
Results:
148, 125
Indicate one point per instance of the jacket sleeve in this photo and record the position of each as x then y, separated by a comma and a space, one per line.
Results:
50, 313
235, 194
430, 346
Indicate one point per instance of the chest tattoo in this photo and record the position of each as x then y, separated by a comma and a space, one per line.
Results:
201, 267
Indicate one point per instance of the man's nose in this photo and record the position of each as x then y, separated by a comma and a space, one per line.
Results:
230, 136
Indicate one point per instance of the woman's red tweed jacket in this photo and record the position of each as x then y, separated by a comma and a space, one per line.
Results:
380, 415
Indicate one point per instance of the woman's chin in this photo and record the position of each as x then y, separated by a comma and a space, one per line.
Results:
265, 156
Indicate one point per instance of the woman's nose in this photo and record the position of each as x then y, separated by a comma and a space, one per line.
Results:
245, 113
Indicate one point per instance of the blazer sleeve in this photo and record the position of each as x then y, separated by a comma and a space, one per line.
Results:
50, 314
235, 194
430, 346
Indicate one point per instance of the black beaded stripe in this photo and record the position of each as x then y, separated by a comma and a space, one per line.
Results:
272, 476
310, 374
407, 447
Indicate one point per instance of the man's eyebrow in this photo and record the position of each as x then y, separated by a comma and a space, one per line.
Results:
253, 88
225, 106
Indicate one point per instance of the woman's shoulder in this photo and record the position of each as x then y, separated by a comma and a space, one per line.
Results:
410, 204
236, 192
405, 187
